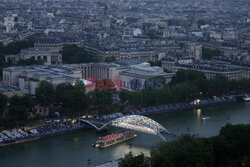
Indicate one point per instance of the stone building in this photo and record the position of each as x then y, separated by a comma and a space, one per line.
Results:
106, 18
27, 78
49, 57
195, 50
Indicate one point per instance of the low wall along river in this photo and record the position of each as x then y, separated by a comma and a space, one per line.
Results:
74, 149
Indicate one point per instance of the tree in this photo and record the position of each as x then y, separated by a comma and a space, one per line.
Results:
151, 35
79, 85
136, 99
187, 75
201, 22
1, 48
31, 61
19, 112
45, 94
124, 96
155, 63
102, 99
242, 84
72, 98
3, 103
209, 53
230, 148
17, 46
110, 59
19, 108
187, 151
75, 54
219, 85
134, 161
27, 102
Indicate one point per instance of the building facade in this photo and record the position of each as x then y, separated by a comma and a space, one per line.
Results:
28, 78
48, 56
195, 50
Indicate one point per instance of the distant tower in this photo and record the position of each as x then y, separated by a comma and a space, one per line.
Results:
166, 32
30, 25
86, 21
195, 50
194, 24
106, 18
9, 22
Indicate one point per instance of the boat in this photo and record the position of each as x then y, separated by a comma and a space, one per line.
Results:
112, 139
204, 117
246, 97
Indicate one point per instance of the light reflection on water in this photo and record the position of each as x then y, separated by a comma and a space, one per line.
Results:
75, 149
198, 121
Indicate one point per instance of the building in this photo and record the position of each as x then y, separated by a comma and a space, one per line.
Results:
48, 56
194, 24
124, 70
143, 72
12, 58
55, 44
119, 53
10, 22
10, 91
195, 50
210, 69
27, 78
106, 18
98, 70
168, 63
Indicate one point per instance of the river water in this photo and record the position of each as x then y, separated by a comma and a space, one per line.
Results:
75, 149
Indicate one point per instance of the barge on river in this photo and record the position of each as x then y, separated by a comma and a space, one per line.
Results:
112, 139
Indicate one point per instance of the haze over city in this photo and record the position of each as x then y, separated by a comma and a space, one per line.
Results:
124, 83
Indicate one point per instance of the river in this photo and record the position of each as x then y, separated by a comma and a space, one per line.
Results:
75, 149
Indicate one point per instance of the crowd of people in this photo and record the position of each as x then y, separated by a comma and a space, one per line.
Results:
176, 106
59, 125
13, 134
50, 127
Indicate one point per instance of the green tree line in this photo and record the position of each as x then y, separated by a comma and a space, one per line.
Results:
73, 99
231, 148
15, 48
74, 54
186, 85
17, 112
208, 54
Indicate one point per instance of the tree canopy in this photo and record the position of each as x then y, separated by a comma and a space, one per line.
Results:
185, 86
3, 103
72, 98
209, 53
230, 148
15, 48
129, 160
30, 61
74, 54
45, 93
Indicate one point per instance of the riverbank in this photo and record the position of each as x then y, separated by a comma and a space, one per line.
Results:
187, 106
31, 137
171, 108
78, 144
10, 137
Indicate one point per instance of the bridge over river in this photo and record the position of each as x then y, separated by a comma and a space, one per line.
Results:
133, 122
